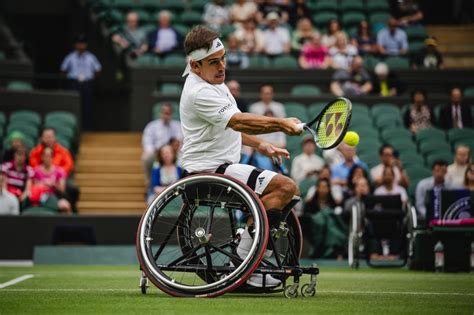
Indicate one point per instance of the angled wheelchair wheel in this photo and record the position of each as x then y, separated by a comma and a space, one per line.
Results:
187, 238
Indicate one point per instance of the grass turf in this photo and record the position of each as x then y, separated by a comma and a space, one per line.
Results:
112, 290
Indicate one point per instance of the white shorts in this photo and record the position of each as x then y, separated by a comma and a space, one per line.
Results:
242, 172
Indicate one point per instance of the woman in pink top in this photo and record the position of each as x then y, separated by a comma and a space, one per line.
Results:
51, 179
314, 55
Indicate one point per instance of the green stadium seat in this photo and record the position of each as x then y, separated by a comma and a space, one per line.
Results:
360, 108
386, 121
411, 159
326, 5
65, 142
385, 109
371, 147
198, 5
415, 172
298, 110
370, 158
293, 144
19, 86
377, 6
351, 19
182, 29
174, 61
170, 89
156, 109
322, 19
39, 211
259, 61
434, 133
28, 130
361, 120
144, 17
454, 135
414, 47
370, 62
111, 17
429, 147
190, 18
437, 110
395, 133
305, 185
315, 108
26, 116
63, 116
148, 60
171, 5
285, 62
469, 92
417, 32
351, 6
445, 156
397, 63
226, 30
379, 18
3, 119
305, 90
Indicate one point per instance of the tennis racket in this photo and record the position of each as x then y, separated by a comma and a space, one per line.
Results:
330, 126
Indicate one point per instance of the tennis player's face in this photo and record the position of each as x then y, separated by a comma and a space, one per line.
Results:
212, 69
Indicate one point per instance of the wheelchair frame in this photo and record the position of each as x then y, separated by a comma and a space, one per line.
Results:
207, 242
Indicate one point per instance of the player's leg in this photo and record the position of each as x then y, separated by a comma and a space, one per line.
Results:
279, 192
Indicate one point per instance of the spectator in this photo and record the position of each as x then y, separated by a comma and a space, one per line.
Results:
303, 34
340, 171
307, 164
409, 13
234, 88
439, 170
455, 114
61, 156
314, 55
216, 14
357, 172
364, 41
321, 199
176, 146
241, 11
342, 53
49, 183
266, 102
392, 41
387, 159
164, 39
298, 10
9, 204
164, 174
81, 67
429, 57
469, 178
388, 186
360, 191
18, 174
456, 171
329, 38
266, 7
156, 134
250, 38
334, 156
356, 81
16, 139
385, 82
276, 39
336, 191
419, 115
132, 39
235, 58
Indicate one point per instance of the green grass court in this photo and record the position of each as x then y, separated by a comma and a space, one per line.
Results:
56, 289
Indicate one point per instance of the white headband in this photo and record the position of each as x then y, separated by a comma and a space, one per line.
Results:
202, 53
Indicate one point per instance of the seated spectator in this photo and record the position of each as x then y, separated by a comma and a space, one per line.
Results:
329, 38
157, 133
16, 139
456, 114
361, 189
176, 146
357, 172
250, 38
266, 7
429, 57
336, 191
340, 172
266, 102
18, 174
235, 58
314, 55
352, 82
9, 204
276, 39
298, 10
61, 156
164, 39
302, 34
342, 53
419, 115
307, 164
216, 14
388, 186
49, 183
164, 174
408, 13
469, 178
322, 224
392, 41
388, 159
131, 39
234, 88
385, 82
439, 170
364, 41
241, 11
334, 156
456, 171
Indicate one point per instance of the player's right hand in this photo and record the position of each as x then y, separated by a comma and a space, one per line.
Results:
292, 126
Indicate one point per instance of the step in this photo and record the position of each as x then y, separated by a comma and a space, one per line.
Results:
135, 183
459, 62
112, 197
109, 157
85, 189
110, 151
138, 206
109, 169
121, 177
111, 212
106, 163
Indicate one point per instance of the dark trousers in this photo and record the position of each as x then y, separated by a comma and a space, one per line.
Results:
86, 91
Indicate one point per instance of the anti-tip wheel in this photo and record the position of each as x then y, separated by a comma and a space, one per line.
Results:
143, 285
306, 290
290, 292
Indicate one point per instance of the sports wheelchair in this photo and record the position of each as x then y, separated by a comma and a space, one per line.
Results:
376, 218
188, 236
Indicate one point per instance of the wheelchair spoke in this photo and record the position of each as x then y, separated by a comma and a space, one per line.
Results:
163, 244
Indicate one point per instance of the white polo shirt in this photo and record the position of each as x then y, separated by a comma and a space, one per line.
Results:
205, 110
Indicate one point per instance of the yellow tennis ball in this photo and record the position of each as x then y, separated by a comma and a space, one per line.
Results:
351, 138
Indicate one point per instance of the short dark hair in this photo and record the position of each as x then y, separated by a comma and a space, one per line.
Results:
385, 146
199, 37
416, 91
439, 163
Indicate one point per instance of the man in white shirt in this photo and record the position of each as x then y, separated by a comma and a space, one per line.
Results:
214, 130
307, 164
388, 186
157, 133
267, 103
9, 204
457, 170
276, 38
386, 153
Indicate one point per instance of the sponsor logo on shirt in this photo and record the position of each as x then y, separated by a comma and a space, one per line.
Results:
226, 107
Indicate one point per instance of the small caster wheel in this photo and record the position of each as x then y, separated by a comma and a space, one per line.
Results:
290, 291
307, 290
144, 284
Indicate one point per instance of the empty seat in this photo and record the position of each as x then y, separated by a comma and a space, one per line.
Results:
19, 86
351, 19
377, 6
170, 89
28, 130
385, 109
298, 110
396, 133
63, 116
426, 133
322, 19
147, 60
397, 63
285, 62
431, 147
259, 61
351, 5
174, 61
435, 156
454, 135
305, 90
27, 116
417, 32
190, 18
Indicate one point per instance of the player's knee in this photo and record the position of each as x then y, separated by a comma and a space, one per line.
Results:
288, 188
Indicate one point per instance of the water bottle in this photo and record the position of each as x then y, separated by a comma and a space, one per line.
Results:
439, 256
472, 256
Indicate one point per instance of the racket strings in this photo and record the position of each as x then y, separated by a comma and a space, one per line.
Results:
332, 124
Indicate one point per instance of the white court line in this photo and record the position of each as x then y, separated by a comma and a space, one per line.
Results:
320, 292
16, 263
15, 281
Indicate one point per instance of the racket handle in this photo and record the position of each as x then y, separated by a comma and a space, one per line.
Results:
301, 125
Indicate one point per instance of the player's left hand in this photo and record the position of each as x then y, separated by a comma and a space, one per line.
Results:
272, 151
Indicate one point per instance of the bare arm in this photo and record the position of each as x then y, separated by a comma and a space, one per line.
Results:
255, 124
